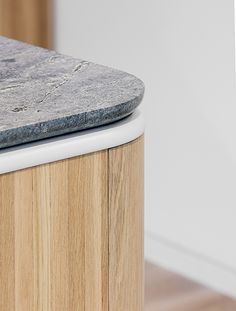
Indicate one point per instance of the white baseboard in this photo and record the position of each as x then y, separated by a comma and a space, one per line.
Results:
191, 265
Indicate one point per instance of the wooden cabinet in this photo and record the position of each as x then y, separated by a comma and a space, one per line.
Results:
27, 20
71, 233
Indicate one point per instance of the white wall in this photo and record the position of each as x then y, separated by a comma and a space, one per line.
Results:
184, 52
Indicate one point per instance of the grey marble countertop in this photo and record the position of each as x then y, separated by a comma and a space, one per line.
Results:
45, 94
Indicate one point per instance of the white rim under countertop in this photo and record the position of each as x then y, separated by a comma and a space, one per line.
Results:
71, 145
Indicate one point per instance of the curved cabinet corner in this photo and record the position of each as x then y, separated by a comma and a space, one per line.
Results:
71, 233
126, 227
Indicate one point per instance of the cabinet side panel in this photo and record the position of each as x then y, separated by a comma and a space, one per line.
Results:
126, 227
54, 236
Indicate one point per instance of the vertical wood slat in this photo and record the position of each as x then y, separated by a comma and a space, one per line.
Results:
126, 227
24, 260
59, 236
96, 236
71, 234
42, 236
7, 245
27, 21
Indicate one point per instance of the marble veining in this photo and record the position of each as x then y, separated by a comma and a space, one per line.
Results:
45, 94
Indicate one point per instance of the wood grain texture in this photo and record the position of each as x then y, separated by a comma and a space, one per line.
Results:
126, 227
26, 20
7, 246
54, 236
71, 234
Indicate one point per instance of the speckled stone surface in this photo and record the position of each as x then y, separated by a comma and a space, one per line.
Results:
45, 94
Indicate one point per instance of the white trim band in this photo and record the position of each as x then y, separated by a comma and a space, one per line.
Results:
71, 145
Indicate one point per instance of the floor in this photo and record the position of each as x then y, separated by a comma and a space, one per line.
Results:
167, 291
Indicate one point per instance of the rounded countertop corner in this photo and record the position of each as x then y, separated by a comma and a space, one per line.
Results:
72, 145
45, 94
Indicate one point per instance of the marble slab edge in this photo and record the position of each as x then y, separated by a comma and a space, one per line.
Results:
72, 145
